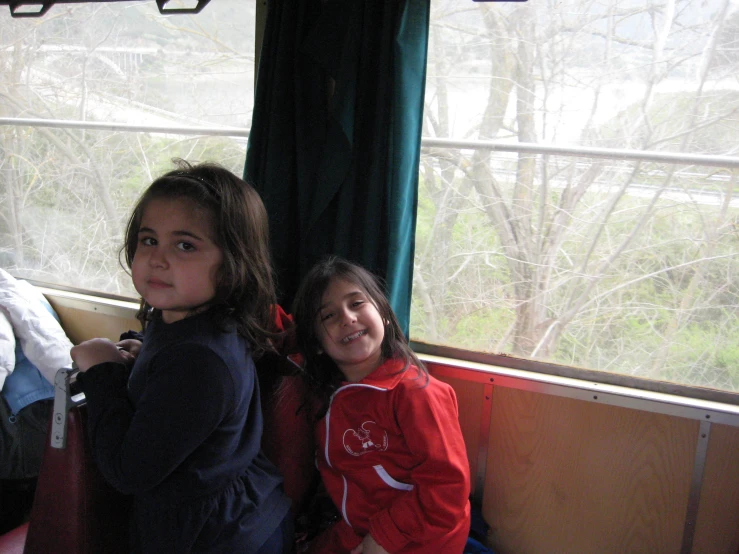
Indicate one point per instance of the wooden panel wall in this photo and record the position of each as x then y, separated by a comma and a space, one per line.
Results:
567, 475
84, 320
470, 397
717, 529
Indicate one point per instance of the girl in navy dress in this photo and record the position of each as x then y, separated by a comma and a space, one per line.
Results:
176, 420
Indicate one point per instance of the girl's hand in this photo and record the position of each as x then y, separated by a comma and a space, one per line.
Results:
130, 349
96, 351
369, 546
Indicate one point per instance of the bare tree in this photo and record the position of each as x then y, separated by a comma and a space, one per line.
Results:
582, 251
67, 192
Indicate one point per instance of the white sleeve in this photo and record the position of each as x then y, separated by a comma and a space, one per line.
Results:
41, 336
7, 348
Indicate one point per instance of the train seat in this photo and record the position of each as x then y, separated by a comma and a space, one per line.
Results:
74, 510
288, 409
288, 432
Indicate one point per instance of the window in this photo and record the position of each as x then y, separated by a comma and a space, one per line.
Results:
577, 181
596, 248
66, 192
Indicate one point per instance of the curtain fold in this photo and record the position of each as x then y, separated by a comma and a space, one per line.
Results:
334, 146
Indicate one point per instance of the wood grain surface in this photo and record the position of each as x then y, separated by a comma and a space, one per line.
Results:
569, 476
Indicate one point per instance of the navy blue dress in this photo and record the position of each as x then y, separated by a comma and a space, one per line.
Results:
182, 434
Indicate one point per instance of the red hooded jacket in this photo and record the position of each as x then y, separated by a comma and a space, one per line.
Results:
393, 460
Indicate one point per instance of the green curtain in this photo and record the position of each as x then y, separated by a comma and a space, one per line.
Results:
335, 138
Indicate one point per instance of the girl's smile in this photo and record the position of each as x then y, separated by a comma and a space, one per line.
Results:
354, 336
350, 329
175, 267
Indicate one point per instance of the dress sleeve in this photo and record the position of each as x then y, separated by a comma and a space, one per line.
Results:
187, 394
132, 335
428, 418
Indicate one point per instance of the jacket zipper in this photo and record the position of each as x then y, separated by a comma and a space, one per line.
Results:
326, 456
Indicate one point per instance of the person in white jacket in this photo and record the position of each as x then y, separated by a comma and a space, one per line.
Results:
33, 346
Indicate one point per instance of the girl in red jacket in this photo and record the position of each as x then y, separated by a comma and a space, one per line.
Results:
391, 452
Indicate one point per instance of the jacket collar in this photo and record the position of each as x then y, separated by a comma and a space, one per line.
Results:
388, 375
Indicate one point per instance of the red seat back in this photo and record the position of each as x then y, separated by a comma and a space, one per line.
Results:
75, 511
288, 436
12, 542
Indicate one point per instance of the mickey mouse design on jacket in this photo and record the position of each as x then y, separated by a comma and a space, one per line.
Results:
368, 438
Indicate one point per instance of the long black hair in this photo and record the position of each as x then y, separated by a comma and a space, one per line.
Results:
245, 288
321, 371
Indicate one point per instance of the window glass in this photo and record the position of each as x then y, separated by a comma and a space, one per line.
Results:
605, 262
66, 193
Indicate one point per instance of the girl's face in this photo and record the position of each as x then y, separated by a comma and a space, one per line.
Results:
176, 263
350, 329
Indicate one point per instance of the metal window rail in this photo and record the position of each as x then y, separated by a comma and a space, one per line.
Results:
497, 146
109, 126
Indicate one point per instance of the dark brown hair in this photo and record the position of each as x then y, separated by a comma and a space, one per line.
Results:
245, 289
320, 369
